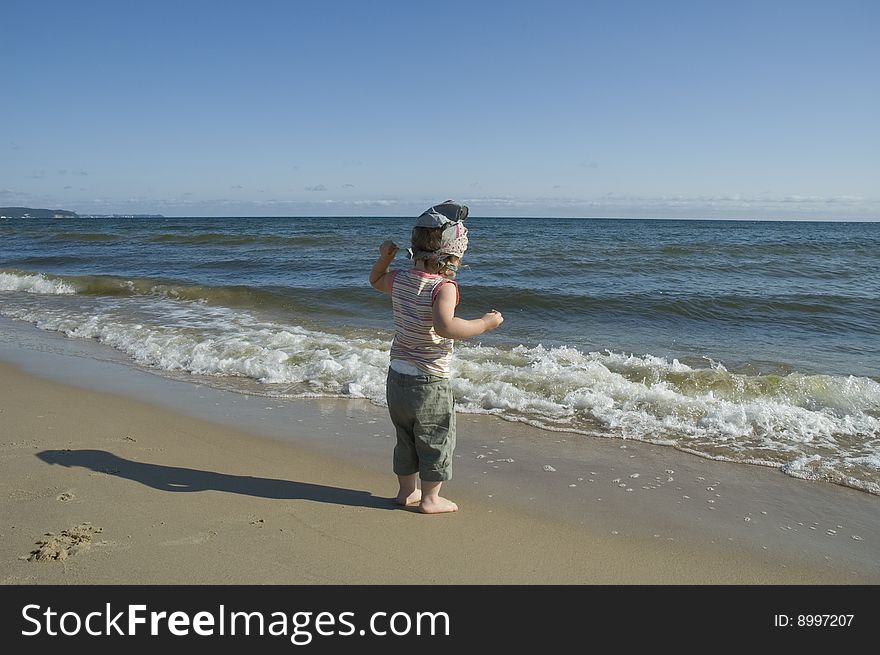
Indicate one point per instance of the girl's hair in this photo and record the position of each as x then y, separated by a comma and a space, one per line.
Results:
428, 239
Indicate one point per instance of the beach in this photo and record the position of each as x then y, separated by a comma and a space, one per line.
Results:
114, 475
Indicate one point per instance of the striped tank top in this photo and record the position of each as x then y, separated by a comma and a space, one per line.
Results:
415, 341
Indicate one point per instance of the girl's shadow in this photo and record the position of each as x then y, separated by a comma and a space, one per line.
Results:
174, 478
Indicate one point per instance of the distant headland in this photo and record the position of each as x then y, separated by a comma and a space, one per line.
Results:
29, 212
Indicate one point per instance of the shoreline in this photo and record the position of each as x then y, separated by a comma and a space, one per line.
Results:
300, 491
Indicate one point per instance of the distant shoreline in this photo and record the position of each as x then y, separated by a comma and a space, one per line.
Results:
30, 212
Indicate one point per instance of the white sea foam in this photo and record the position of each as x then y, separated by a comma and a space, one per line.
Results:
813, 426
34, 283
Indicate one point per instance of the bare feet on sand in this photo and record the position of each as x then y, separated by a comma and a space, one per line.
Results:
436, 505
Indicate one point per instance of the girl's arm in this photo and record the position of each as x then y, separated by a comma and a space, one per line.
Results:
379, 277
448, 325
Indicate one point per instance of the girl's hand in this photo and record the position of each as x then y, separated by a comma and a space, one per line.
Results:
388, 249
493, 319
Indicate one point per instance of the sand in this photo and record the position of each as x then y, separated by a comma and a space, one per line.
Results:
168, 482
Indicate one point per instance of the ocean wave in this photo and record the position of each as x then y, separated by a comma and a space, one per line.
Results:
819, 314
227, 239
34, 283
83, 236
822, 426
105, 285
816, 312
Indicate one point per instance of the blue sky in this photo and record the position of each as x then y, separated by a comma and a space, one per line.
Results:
650, 109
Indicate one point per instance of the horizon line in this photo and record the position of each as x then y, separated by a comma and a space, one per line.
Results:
542, 217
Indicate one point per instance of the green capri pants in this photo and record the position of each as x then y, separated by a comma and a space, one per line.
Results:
423, 415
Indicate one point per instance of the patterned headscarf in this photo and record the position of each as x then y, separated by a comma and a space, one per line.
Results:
453, 242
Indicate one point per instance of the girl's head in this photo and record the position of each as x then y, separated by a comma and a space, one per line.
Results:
427, 245
440, 248
439, 238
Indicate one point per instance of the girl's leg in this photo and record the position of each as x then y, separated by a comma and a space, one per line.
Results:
409, 493
432, 502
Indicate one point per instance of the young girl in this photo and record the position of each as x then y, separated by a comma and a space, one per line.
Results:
425, 327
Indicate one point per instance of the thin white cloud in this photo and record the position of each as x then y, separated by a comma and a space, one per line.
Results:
11, 195
680, 206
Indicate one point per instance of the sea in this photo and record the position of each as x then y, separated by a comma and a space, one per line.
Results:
741, 341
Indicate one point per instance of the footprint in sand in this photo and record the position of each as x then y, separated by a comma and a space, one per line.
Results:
191, 540
64, 497
70, 542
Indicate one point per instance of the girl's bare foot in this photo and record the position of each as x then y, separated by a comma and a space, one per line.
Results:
411, 499
436, 505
